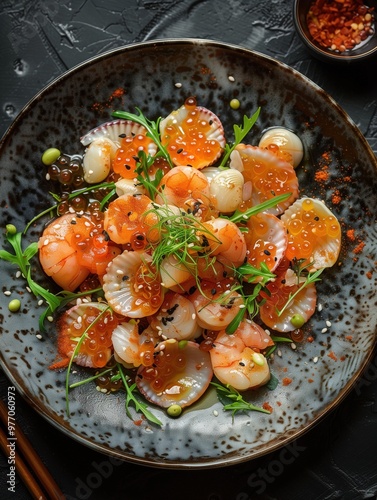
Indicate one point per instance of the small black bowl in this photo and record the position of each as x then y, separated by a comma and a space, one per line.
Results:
364, 51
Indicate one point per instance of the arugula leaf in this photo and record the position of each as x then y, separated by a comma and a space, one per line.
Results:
232, 400
132, 398
240, 132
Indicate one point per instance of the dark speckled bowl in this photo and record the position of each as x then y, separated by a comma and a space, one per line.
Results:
323, 371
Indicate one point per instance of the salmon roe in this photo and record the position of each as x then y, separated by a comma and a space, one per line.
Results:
147, 287
259, 250
98, 335
167, 369
187, 141
306, 227
126, 158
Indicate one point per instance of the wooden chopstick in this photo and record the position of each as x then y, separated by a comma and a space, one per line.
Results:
33, 462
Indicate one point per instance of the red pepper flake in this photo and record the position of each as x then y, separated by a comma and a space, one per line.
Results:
278, 403
340, 25
349, 337
332, 356
342, 358
369, 275
310, 380
286, 381
336, 198
267, 407
359, 248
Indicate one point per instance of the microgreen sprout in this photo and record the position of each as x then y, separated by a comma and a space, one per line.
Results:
240, 132
143, 177
232, 400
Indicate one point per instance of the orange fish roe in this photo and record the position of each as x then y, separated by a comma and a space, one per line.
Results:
351, 234
359, 248
336, 198
259, 250
126, 156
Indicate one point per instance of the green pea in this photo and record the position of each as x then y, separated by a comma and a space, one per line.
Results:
11, 229
182, 344
174, 410
50, 155
14, 305
235, 104
297, 320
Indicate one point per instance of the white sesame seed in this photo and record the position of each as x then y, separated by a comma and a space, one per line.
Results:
50, 319
40, 302
324, 330
320, 307
39, 336
178, 85
48, 177
242, 306
18, 274
216, 413
231, 78
28, 289
71, 210
46, 242
79, 319
7, 292
293, 346
193, 316
328, 323
279, 353
315, 359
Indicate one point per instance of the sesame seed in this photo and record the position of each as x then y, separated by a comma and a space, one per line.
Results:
328, 323
315, 360
39, 336
178, 85
293, 346
320, 307
46, 242
193, 316
279, 353
40, 302
231, 78
324, 330
7, 292
50, 319
18, 274
28, 289
216, 413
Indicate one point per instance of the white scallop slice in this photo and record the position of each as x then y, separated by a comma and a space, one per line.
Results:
113, 130
286, 140
184, 385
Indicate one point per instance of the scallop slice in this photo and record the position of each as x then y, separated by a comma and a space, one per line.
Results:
131, 286
303, 304
180, 375
133, 348
269, 176
226, 188
176, 318
266, 241
314, 233
193, 135
287, 144
95, 349
114, 130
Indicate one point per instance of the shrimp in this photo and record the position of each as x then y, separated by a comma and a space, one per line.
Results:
236, 359
72, 247
131, 347
176, 318
216, 304
180, 375
93, 322
183, 184
223, 238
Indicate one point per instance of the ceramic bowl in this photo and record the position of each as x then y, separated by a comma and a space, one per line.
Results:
362, 52
157, 77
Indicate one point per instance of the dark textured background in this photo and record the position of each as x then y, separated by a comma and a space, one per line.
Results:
40, 39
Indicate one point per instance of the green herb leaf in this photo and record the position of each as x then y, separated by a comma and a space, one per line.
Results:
272, 383
132, 398
232, 400
240, 132
244, 216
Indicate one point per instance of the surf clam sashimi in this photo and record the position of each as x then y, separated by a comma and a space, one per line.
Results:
180, 375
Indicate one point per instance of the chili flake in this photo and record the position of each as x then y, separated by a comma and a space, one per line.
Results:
340, 25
